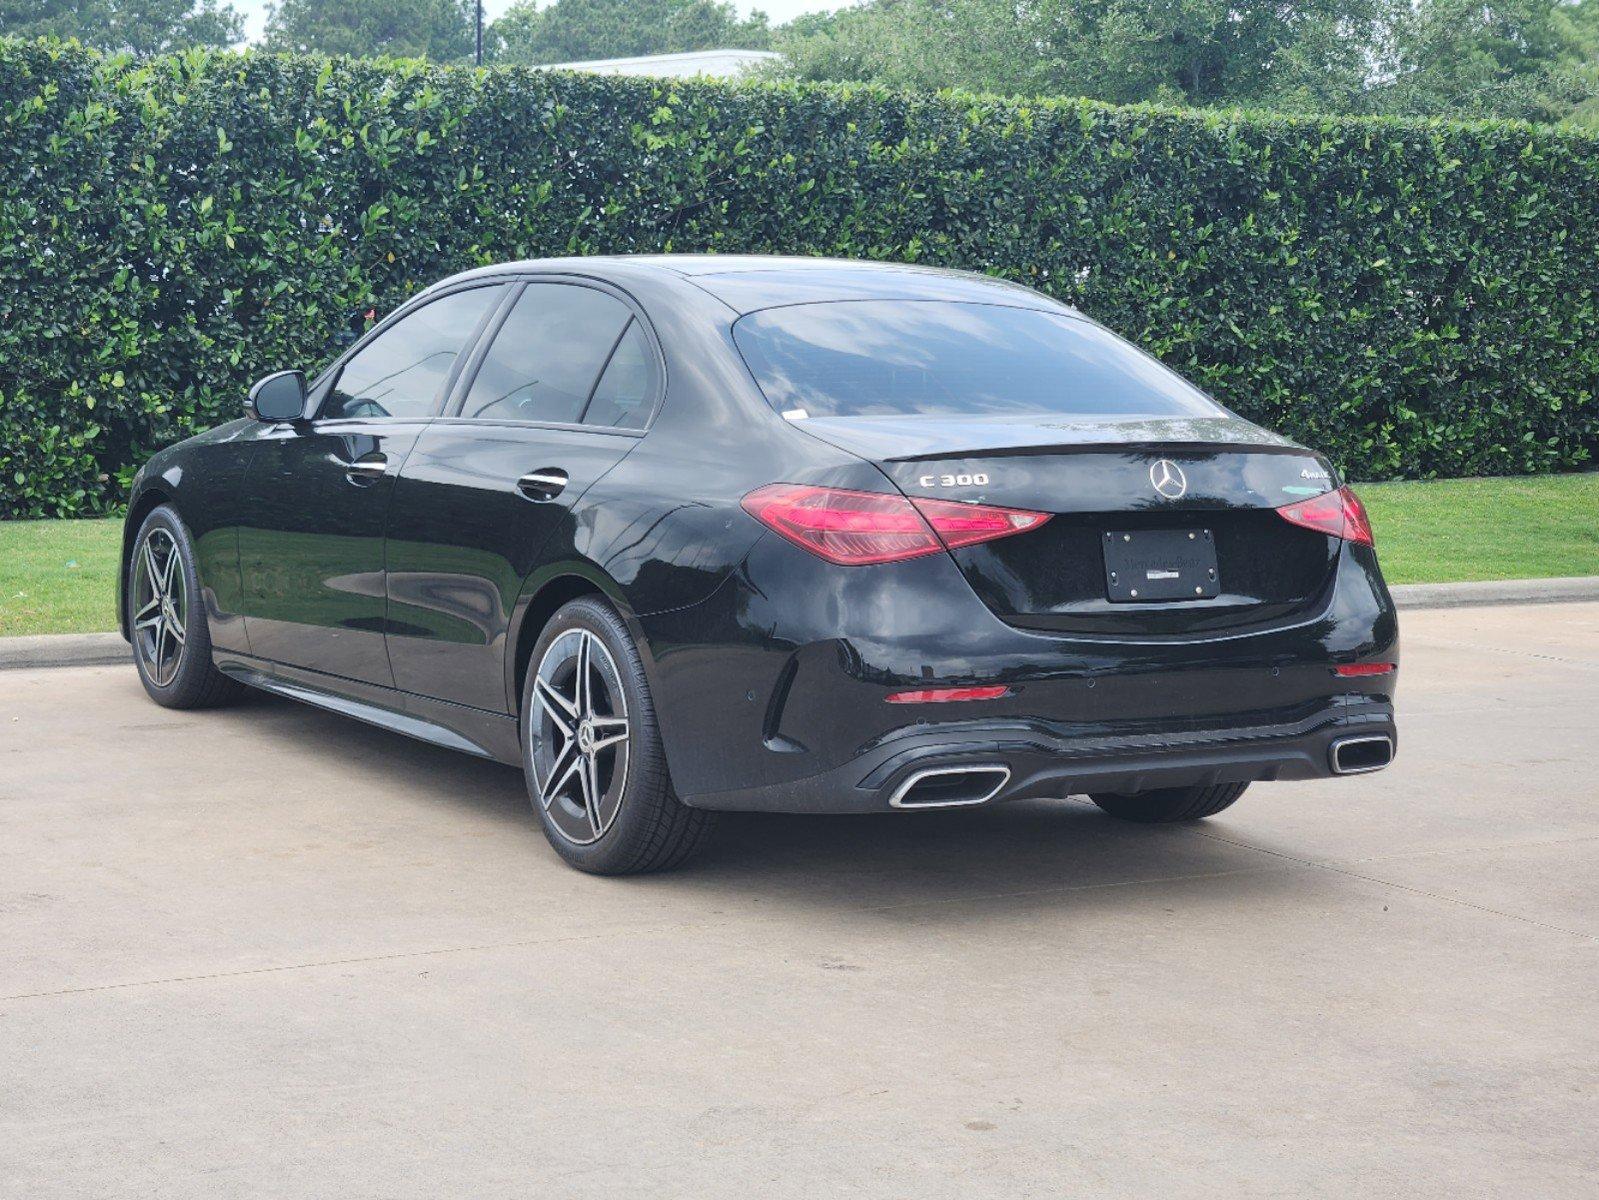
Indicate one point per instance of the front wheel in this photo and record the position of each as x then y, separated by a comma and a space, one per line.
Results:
592, 754
1165, 805
167, 621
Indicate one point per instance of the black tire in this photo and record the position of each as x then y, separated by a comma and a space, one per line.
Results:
635, 822
175, 674
1165, 805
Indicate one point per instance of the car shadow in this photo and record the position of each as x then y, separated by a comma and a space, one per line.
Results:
409, 769
1023, 853
1031, 851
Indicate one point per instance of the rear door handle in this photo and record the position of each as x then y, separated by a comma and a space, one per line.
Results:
367, 471
544, 484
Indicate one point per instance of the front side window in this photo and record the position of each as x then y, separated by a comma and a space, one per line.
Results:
898, 357
401, 372
548, 355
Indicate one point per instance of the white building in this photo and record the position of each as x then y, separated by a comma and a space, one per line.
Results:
718, 64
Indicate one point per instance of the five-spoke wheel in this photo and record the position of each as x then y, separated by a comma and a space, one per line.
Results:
166, 619
160, 606
581, 722
591, 749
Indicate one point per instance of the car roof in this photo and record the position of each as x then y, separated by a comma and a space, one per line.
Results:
749, 282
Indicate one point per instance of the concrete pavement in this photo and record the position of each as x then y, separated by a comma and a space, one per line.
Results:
270, 952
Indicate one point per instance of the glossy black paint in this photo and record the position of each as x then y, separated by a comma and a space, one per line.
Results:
819, 724
412, 598
311, 547
451, 603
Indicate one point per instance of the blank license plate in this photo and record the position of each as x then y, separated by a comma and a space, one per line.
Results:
1160, 564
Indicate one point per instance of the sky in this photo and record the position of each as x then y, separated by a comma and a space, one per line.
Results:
778, 10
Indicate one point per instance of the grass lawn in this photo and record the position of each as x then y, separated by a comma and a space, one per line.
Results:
1456, 529
60, 576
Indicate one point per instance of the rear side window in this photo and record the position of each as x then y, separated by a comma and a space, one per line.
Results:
401, 371
548, 355
622, 397
895, 357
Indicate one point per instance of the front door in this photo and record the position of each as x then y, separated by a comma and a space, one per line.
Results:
311, 545
554, 400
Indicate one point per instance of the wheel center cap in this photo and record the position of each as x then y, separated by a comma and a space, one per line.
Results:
169, 612
585, 737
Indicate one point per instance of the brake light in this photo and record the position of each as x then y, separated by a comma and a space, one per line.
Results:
967, 524
1340, 514
858, 528
948, 695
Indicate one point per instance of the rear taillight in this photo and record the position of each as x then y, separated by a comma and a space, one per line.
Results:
857, 528
960, 525
1340, 514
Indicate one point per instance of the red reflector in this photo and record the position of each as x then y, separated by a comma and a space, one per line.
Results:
945, 695
1356, 670
1339, 513
858, 528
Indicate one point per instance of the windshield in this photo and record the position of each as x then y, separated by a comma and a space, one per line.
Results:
893, 357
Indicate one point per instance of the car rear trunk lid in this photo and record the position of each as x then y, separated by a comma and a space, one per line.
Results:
1157, 527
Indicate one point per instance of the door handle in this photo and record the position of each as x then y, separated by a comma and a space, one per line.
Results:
367, 471
544, 484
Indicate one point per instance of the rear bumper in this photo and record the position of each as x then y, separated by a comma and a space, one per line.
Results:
1044, 759
771, 692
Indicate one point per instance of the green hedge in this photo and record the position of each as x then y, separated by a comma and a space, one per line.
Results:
1417, 298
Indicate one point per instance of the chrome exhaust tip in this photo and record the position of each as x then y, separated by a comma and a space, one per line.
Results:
1358, 755
950, 787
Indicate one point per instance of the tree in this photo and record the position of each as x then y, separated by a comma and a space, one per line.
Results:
1582, 21
1185, 51
1527, 58
438, 29
1504, 58
142, 26
571, 30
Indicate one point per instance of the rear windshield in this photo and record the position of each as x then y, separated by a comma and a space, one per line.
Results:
890, 357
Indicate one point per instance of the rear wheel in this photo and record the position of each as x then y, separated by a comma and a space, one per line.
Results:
167, 621
592, 754
1165, 805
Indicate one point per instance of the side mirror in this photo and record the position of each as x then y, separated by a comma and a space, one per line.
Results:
279, 397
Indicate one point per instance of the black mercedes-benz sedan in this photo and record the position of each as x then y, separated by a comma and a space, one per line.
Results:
687, 534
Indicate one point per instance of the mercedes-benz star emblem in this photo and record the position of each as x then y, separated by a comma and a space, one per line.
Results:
1168, 479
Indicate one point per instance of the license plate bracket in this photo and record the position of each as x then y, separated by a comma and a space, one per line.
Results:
1145, 566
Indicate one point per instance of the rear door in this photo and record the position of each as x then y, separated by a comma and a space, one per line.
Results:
311, 542
554, 398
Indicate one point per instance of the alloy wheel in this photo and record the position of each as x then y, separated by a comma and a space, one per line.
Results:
579, 731
161, 607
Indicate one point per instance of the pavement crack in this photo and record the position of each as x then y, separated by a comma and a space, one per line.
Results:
1401, 887
354, 960
1584, 664
438, 951
1449, 851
